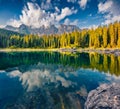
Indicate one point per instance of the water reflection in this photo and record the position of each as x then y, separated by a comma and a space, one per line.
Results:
45, 80
39, 75
107, 63
36, 76
54, 86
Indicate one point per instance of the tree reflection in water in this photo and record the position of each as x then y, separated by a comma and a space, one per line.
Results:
51, 80
107, 63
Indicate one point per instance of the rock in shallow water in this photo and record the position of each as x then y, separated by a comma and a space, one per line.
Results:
107, 96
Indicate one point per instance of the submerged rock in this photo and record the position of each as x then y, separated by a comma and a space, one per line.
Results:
107, 96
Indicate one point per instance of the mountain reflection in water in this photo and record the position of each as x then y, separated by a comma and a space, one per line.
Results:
53, 80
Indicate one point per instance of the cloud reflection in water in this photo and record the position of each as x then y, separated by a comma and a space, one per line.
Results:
55, 86
37, 76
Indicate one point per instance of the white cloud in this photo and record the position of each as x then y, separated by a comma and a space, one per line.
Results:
34, 16
104, 7
109, 9
48, 1
82, 3
111, 19
57, 9
89, 27
2, 26
14, 22
68, 22
46, 5
65, 12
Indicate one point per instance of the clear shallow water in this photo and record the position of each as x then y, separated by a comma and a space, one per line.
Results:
47, 80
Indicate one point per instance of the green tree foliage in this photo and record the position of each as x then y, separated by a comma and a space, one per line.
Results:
111, 35
106, 36
5, 37
118, 41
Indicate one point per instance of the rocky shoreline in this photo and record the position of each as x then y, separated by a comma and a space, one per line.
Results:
100, 51
106, 96
107, 51
116, 52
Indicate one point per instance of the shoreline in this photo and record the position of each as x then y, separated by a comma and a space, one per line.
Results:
26, 50
115, 51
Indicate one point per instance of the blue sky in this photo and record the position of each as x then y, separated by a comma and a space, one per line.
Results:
35, 13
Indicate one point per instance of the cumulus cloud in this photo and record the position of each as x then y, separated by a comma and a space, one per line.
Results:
82, 3
65, 12
46, 5
34, 16
111, 19
14, 22
104, 7
109, 9
2, 26
69, 22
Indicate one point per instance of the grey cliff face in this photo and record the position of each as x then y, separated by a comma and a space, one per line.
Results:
43, 30
104, 97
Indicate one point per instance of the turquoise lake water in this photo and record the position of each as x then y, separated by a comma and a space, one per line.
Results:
51, 80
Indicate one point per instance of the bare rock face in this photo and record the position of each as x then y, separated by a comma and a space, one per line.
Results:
107, 96
52, 29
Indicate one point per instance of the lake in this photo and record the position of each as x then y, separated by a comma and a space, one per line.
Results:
52, 80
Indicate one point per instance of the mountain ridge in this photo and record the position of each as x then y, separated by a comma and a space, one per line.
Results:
24, 29
8, 33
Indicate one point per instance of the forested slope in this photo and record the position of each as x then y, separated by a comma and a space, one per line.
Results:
101, 37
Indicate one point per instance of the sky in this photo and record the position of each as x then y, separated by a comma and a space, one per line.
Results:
36, 13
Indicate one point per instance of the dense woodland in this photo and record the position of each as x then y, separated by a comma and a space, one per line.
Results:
101, 37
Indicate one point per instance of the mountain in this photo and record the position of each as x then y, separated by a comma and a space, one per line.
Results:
43, 30
67, 28
7, 33
23, 29
11, 28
